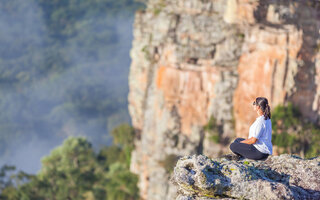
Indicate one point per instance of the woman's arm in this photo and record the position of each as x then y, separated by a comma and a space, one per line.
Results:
251, 140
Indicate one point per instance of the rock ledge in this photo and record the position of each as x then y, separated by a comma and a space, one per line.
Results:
278, 177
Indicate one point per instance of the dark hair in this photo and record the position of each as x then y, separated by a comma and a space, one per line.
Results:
262, 102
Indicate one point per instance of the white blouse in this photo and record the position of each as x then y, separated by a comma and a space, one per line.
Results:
262, 129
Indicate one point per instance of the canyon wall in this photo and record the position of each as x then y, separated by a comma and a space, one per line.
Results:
196, 60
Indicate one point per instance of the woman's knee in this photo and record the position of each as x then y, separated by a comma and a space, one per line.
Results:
230, 146
233, 146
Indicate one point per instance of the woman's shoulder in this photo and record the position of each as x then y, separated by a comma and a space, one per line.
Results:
264, 121
268, 120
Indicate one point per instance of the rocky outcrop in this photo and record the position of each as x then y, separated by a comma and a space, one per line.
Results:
197, 59
184, 61
278, 177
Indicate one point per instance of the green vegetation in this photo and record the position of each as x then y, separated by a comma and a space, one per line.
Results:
74, 171
246, 162
293, 133
123, 136
213, 129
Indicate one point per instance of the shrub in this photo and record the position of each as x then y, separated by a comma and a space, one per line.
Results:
294, 133
213, 129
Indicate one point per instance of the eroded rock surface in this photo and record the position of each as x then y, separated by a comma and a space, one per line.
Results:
278, 177
193, 59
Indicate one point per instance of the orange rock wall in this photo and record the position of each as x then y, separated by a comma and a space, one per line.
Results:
265, 69
194, 59
190, 90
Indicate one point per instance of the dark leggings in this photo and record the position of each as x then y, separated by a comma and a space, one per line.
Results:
246, 150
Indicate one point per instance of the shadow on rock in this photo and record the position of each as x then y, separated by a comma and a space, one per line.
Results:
278, 177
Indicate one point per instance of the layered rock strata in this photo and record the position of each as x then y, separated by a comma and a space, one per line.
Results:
197, 59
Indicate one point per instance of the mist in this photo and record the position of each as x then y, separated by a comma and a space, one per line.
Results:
41, 106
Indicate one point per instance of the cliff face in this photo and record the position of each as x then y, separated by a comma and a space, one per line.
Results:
193, 59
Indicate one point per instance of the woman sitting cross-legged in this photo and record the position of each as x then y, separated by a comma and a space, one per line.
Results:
258, 146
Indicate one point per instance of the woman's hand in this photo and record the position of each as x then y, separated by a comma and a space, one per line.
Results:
251, 140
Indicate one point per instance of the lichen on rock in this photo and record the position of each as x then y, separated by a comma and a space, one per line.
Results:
278, 177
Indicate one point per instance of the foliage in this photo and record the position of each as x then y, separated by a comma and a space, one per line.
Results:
74, 171
111, 154
6, 185
285, 117
293, 133
213, 129
312, 143
122, 184
123, 135
75, 162
284, 139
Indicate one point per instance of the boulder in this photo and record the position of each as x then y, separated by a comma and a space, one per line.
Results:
277, 177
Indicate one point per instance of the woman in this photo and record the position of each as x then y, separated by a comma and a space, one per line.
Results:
258, 146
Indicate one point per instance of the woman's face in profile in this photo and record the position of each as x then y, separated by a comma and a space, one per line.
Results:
256, 107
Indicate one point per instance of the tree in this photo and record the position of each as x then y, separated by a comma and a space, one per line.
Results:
74, 171
294, 134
